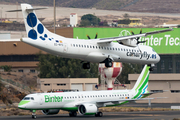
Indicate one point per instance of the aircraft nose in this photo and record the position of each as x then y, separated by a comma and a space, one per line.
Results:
23, 104
158, 58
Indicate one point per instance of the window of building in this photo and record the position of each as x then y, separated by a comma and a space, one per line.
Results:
32, 71
61, 84
20, 70
175, 91
46, 84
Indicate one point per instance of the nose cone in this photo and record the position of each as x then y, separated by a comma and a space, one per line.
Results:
158, 58
22, 104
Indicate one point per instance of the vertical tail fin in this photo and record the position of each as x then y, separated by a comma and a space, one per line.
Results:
141, 84
34, 28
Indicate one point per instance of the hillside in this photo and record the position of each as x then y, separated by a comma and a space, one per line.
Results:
157, 6
100, 4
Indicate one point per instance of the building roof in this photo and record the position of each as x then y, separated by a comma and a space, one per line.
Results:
165, 76
17, 48
20, 64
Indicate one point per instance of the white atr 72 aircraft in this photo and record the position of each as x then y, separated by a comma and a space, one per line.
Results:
104, 50
86, 102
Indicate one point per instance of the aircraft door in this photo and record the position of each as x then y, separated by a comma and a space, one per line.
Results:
65, 48
41, 100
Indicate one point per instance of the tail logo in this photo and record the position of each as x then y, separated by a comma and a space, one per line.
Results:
32, 22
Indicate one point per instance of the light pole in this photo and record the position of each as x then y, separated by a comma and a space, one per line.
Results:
54, 16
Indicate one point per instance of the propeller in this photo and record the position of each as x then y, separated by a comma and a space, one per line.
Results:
95, 36
138, 37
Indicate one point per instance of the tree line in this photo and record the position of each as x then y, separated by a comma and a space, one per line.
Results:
51, 66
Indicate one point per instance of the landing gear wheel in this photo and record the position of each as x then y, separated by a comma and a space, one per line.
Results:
108, 62
34, 116
99, 114
86, 65
72, 114
151, 69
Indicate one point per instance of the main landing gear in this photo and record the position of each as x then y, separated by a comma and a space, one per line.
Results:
99, 114
108, 62
73, 114
33, 114
151, 67
86, 65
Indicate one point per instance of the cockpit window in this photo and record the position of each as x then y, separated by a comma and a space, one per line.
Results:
153, 50
26, 98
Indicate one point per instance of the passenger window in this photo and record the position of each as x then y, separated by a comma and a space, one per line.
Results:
107, 48
79, 45
116, 49
96, 47
87, 46
112, 48
119, 49
82, 45
99, 47
93, 46
76, 45
32, 98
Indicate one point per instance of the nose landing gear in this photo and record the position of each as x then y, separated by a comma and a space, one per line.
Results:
33, 114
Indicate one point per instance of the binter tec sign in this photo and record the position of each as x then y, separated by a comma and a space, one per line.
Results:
163, 43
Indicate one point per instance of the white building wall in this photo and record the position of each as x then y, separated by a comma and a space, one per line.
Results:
73, 19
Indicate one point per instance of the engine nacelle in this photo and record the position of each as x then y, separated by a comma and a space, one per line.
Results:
129, 42
87, 109
50, 111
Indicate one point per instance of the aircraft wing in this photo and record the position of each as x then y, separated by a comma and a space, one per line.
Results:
122, 100
108, 40
115, 101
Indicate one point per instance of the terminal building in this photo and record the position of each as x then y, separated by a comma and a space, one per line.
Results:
166, 75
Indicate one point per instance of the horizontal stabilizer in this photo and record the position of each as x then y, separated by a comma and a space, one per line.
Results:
153, 92
28, 10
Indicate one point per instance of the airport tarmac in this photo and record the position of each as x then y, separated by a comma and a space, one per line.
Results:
144, 115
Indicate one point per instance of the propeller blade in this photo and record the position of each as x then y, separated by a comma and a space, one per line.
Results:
96, 35
88, 37
132, 32
142, 41
139, 33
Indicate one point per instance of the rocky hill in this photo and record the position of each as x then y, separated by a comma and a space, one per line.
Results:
157, 6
